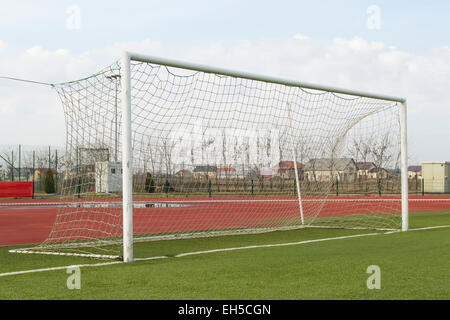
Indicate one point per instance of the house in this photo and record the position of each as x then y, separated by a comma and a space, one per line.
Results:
223, 173
286, 169
415, 172
184, 173
364, 168
205, 171
379, 173
326, 169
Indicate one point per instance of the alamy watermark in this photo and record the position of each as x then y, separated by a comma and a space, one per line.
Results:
74, 280
373, 22
374, 280
73, 21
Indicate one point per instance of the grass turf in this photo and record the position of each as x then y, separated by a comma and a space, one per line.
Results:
414, 265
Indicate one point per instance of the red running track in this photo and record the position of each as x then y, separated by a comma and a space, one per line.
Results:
27, 224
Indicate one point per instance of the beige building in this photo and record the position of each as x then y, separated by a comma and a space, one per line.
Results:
436, 176
364, 168
415, 172
223, 173
379, 173
326, 169
205, 172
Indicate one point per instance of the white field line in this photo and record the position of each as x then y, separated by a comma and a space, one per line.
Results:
418, 229
275, 245
59, 268
216, 250
429, 228
96, 256
72, 266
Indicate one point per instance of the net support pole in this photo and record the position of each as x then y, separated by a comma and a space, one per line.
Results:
297, 182
127, 163
404, 166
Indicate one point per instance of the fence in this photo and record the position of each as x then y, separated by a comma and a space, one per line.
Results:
273, 186
31, 163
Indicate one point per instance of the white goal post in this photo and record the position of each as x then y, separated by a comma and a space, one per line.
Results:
127, 155
163, 149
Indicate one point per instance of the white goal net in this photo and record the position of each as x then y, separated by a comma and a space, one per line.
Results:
217, 152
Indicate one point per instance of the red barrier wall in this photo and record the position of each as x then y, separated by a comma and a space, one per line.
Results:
16, 189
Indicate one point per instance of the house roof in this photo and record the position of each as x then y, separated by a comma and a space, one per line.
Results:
325, 164
365, 165
375, 170
205, 169
226, 169
286, 165
184, 171
415, 168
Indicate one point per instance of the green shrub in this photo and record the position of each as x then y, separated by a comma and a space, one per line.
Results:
49, 183
149, 183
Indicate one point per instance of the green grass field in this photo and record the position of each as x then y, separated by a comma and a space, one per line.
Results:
414, 265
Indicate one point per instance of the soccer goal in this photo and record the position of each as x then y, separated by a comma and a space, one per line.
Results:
160, 149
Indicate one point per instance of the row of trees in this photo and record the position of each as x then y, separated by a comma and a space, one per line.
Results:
165, 156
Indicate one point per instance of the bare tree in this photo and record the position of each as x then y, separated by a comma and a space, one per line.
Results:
268, 147
167, 147
360, 149
382, 152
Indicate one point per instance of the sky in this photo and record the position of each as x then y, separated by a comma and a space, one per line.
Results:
399, 48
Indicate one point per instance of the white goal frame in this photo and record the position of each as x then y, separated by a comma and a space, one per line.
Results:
127, 163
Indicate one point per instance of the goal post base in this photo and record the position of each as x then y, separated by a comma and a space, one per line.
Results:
85, 255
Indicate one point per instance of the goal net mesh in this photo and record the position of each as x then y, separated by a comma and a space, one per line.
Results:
215, 154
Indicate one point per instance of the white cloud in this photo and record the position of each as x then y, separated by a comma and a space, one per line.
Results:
299, 36
352, 63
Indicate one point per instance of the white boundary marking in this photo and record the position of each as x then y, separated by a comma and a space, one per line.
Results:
219, 250
59, 268
275, 245
77, 265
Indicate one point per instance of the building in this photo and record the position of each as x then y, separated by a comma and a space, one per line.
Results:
184, 173
223, 173
108, 177
415, 172
364, 168
379, 173
205, 171
436, 176
286, 169
326, 169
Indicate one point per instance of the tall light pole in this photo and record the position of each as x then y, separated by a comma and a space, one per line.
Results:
115, 78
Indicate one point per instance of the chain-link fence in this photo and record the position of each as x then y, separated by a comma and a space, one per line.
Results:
32, 163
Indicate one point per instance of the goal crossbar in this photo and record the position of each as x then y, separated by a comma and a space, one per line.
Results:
251, 76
